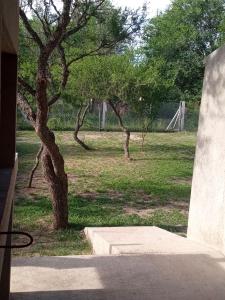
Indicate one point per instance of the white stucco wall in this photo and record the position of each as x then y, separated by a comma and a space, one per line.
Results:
207, 209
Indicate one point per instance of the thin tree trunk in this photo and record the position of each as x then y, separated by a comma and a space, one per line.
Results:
125, 130
80, 142
146, 128
143, 140
79, 123
35, 167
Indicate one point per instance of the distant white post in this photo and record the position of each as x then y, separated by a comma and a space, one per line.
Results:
182, 116
179, 119
104, 111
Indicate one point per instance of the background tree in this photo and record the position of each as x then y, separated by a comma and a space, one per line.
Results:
80, 92
121, 94
80, 100
112, 78
177, 41
51, 31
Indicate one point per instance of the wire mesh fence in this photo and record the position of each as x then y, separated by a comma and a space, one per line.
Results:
63, 117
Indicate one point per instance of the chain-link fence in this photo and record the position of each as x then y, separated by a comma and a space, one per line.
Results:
63, 117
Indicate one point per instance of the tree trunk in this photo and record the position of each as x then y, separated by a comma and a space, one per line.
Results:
35, 167
143, 135
79, 141
53, 170
52, 160
79, 123
146, 127
125, 130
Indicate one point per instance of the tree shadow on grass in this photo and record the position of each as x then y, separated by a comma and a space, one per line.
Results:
27, 148
159, 152
104, 212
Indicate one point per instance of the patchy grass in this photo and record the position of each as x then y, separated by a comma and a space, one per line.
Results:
104, 189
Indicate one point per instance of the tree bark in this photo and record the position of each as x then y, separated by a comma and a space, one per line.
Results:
35, 167
58, 186
52, 163
54, 173
79, 123
52, 160
125, 130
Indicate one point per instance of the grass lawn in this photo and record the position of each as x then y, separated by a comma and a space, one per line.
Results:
104, 189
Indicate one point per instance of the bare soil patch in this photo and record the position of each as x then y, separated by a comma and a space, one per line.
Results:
182, 180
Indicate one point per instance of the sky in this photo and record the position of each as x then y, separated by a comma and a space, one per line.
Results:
154, 5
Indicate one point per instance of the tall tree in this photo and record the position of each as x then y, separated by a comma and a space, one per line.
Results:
181, 38
52, 29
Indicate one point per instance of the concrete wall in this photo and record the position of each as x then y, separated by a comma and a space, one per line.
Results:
9, 11
207, 209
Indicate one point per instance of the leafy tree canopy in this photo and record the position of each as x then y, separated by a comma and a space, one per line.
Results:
177, 41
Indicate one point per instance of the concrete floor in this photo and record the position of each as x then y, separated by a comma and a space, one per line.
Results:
171, 274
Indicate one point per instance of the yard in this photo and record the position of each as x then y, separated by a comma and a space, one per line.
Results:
105, 189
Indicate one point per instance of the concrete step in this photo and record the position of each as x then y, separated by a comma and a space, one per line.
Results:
166, 267
140, 240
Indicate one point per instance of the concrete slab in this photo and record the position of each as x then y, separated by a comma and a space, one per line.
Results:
165, 267
130, 277
140, 240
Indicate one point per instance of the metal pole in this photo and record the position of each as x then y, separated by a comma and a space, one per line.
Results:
183, 109
100, 106
177, 120
104, 111
168, 127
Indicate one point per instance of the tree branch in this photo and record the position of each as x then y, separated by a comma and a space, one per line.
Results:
84, 114
30, 29
57, 35
83, 20
90, 53
55, 8
26, 86
44, 23
65, 75
26, 109
117, 113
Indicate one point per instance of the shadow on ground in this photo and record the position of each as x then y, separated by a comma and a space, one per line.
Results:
155, 277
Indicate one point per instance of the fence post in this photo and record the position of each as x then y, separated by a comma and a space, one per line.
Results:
100, 108
182, 116
104, 111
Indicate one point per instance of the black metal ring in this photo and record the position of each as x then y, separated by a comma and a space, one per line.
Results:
17, 246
